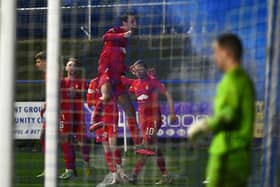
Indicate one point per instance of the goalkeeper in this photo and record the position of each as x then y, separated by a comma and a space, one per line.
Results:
232, 121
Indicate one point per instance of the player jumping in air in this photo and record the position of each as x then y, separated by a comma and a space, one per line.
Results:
72, 126
40, 63
233, 118
112, 66
107, 119
147, 90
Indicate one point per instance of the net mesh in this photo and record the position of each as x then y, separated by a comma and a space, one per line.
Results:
175, 38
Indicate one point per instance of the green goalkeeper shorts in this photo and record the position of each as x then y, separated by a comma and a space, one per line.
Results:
230, 170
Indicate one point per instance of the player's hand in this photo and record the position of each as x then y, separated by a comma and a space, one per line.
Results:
127, 34
173, 118
197, 129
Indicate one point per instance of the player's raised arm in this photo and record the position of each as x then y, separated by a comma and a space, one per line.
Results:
170, 103
113, 35
126, 81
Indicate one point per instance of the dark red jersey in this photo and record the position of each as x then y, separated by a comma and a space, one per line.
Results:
113, 53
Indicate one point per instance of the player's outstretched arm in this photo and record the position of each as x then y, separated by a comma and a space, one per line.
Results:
228, 102
126, 81
111, 35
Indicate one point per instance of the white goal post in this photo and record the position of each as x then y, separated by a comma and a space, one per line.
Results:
7, 82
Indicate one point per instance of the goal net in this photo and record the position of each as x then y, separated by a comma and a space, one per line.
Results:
175, 38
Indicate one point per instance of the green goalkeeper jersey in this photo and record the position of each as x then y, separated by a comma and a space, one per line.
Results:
234, 111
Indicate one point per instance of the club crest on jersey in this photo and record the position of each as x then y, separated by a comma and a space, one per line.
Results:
147, 87
142, 97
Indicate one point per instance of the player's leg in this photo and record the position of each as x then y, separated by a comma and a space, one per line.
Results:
141, 161
231, 170
83, 140
148, 132
109, 157
150, 140
42, 142
111, 119
165, 179
108, 139
116, 153
84, 145
153, 141
43, 138
130, 113
106, 89
66, 138
96, 116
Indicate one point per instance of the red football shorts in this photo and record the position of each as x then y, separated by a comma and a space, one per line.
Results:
118, 88
149, 130
65, 125
72, 123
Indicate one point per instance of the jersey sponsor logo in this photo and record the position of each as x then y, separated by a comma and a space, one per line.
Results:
142, 97
90, 91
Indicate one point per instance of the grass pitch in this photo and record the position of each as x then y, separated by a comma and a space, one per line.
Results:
186, 165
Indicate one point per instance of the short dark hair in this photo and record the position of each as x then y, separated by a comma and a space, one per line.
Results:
124, 16
73, 59
231, 42
140, 62
41, 55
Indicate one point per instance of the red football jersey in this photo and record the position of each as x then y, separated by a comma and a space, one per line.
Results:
147, 93
113, 53
72, 93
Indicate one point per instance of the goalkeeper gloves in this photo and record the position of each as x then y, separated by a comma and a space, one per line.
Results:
197, 129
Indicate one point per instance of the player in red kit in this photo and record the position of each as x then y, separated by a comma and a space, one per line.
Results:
112, 66
107, 130
40, 63
72, 126
147, 90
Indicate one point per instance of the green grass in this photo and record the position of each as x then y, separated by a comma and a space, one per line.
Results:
187, 166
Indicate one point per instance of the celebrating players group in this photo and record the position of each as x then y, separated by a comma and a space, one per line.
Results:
231, 123
108, 89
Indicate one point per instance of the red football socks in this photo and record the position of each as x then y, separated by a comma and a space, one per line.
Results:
109, 160
69, 155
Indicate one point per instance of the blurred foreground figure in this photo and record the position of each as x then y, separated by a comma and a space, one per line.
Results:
233, 118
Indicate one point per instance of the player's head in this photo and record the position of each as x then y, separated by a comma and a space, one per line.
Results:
72, 66
129, 21
140, 69
227, 49
40, 61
